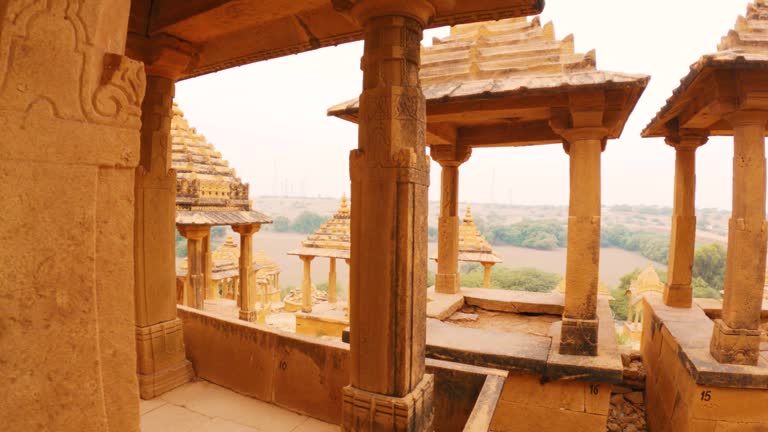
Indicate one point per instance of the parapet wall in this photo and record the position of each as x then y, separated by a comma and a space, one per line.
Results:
306, 374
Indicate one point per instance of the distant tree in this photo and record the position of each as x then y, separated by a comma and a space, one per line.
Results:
709, 265
519, 279
701, 289
430, 278
620, 294
432, 234
281, 224
181, 245
307, 222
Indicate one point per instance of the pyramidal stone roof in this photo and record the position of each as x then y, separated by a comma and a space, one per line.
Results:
331, 240
501, 57
745, 47
647, 281
472, 244
207, 189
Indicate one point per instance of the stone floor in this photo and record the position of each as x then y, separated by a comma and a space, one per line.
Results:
204, 407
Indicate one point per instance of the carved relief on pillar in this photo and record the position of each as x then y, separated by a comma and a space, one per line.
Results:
370, 412
93, 85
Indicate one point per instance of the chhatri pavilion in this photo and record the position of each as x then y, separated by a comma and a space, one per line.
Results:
96, 338
473, 247
209, 194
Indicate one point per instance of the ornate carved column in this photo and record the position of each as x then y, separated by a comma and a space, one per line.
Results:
332, 281
246, 302
306, 284
162, 363
678, 291
450, 157
736, 337
195, 271
390, 176
580, 323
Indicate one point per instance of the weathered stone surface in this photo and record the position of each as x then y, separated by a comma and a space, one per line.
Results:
514, 301
440, 306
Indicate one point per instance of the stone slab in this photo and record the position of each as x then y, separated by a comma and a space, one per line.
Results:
488, 348
605, 367
689, 331
714, 307
441, 306
514, 301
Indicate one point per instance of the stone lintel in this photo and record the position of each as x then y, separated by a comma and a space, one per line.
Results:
364, 411
162, 55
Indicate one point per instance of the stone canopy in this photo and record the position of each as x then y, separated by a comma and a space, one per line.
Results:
207, 189
331, 240
473, 246
722, 82
512, 83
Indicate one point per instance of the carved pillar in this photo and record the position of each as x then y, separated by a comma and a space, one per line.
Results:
450, 157
306, 284
580, 323
487, 274
736, 337
247, 301
211, 291
195, 271
70, 109
332, 281
390, 176
162, 363
678, 291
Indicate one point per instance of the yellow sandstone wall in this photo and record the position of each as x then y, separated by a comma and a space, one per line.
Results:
528, 405
675, 403
69, 143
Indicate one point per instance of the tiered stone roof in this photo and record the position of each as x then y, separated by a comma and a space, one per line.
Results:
647, 281
208, 192
331, 240
744, 47
472, 244
497, 58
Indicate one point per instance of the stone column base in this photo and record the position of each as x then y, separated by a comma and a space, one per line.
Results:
363, 411
734, 346
579, 337
447, 283
161, 358
678, 295
249, 316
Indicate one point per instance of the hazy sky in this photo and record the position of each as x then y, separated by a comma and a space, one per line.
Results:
269, 118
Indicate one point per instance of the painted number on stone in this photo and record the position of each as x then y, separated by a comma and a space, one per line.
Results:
706, 395
594, 389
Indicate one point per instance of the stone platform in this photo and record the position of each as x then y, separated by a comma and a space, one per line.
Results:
326, 319
204, 407
687, 389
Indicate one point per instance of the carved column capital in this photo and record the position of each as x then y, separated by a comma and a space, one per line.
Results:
246, 229
572, 135
363, 10
450, 155
162, 55
688, 139
194, 232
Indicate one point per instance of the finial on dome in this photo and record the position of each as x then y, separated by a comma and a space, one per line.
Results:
468, 216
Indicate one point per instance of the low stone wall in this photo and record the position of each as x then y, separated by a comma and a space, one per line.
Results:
306, 374
687, 389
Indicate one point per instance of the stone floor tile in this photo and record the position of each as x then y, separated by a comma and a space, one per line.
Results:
171, 418
146, 406
222, 425
314, 425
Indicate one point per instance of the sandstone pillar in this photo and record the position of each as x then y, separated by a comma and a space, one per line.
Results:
580, 323
678, 291
211, 291
247, 300
195, 270
332, 281
70, 109
487, 274
306, 284
736, 337
162, 363
450, 157
390, 176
